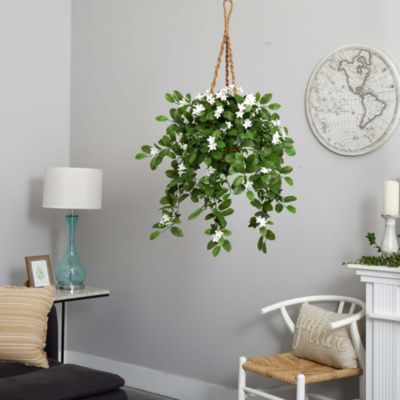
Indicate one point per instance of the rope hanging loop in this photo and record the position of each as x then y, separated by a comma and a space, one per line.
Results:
225, 47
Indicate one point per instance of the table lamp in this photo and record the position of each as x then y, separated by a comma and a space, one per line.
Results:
72, 189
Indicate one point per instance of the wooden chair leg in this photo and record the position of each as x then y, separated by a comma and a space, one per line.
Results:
242, 379
301, 387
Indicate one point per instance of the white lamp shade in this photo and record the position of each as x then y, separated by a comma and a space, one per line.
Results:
72, 188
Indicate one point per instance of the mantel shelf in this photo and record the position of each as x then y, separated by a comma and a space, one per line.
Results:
377, 268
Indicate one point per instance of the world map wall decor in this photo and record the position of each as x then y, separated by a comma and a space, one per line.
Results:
352, 100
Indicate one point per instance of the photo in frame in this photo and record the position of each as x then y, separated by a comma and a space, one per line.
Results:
39, 271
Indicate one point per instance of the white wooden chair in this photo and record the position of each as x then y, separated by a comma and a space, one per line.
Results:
297, 373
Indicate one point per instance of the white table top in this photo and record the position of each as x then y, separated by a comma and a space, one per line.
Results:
86, 293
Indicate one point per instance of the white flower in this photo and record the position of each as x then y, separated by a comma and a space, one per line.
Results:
247, 124
241, 106
182, 102
262, 222
240, 90
281, 129
178, 137
217, 236
212, 145
154, 151
200, 96
183, 146
218, 112
250, 100
165, 220
185, 120
181, 169
248, 185
222, 94
210, 170
276, 122
264, 170
198, 109
229, 124
239, 114
276, 138
210, 98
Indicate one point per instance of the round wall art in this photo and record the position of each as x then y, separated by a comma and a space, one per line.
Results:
352, 100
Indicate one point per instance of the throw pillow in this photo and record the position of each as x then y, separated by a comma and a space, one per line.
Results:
23, 324
315, 341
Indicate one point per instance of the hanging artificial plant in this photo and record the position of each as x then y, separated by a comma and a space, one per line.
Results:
220, 144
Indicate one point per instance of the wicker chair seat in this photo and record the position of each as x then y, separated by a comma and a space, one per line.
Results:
286, 366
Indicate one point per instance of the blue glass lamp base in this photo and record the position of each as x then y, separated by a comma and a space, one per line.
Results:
70, 272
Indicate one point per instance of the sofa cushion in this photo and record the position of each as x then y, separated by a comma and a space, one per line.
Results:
23, 324
63, 382
13, 369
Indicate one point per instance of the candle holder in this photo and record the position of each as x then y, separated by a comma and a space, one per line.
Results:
389, 243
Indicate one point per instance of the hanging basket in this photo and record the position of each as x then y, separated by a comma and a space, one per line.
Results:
222, 144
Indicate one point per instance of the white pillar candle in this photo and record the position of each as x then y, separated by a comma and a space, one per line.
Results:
391, 198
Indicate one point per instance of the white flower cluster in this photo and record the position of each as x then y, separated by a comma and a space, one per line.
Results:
217, 236
154, 151
280, 132
165, 220
262, 222
212, 145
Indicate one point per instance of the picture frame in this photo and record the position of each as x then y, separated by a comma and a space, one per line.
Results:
39, 271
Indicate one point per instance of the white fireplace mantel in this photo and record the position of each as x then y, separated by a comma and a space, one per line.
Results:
382, 371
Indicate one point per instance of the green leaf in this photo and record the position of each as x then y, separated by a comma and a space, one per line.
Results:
154, 163
227, 245
260, 243
278, 208
216, 250
211, 244
290, 151
140, 156
161, 118
270, 235
238, 180
195, 213
291, 209
266, 98
225, 204
154, 235
164, 200
274, 106
178, 95
289, 199
250, 195
146, 149
176, 231
169, 97
289, 180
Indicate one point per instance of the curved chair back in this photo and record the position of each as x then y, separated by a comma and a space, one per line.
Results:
356, 312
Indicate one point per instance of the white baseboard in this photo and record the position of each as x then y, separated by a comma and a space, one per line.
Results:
151, 380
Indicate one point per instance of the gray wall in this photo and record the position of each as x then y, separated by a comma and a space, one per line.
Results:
174, 307
34, 124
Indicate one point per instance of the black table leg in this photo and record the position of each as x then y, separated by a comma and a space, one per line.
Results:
62, 331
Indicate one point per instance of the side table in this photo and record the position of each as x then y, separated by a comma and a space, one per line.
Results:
382, 366
65, 296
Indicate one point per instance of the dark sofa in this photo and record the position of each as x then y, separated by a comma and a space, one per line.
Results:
60, 381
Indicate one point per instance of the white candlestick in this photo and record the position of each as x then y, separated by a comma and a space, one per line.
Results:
391, 198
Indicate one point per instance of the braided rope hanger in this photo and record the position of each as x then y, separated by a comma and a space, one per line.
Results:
226, 47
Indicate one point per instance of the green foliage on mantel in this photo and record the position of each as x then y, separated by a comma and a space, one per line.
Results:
381, 260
